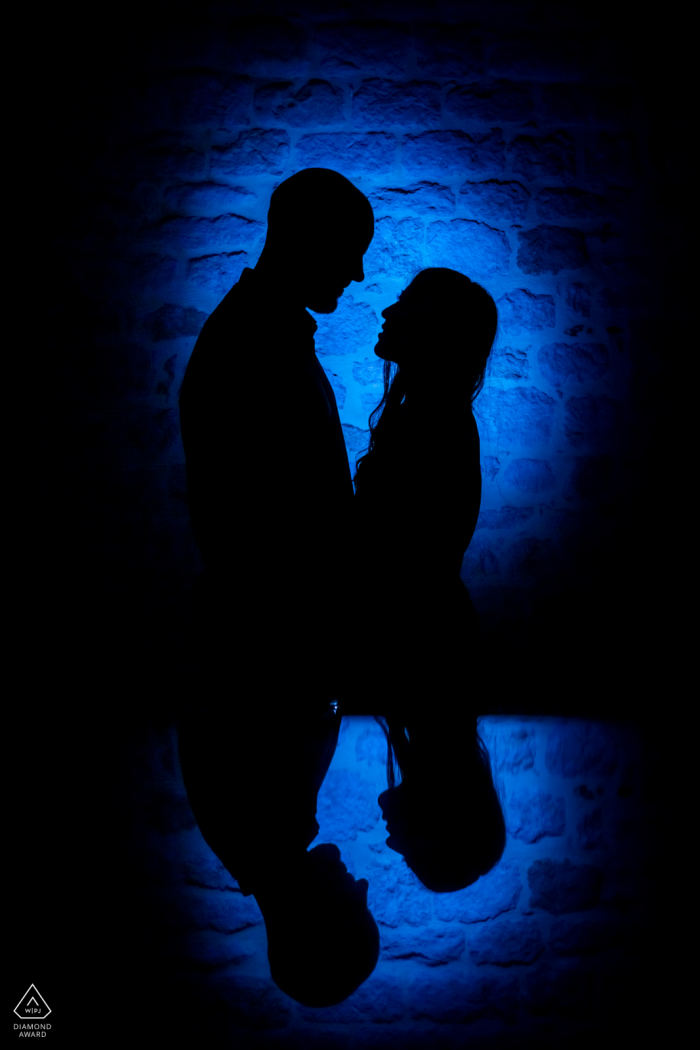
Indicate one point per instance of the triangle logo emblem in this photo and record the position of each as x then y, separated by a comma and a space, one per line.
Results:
32, 1005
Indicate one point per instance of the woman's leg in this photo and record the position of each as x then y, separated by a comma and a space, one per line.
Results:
445, 817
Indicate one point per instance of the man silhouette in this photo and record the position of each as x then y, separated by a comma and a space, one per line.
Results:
270, 498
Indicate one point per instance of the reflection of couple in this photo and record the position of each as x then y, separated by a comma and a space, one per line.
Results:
312, 594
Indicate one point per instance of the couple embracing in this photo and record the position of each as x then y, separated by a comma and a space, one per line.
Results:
316, 601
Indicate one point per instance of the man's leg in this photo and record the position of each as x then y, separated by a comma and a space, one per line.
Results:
253, 774
253, 760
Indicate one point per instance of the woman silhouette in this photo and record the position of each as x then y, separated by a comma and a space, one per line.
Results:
418, 491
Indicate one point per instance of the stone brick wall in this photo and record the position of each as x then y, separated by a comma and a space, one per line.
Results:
550, 946
506, 141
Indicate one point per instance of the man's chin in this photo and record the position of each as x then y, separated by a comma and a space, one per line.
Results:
323, 306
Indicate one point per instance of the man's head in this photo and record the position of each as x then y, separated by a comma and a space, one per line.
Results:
319, 228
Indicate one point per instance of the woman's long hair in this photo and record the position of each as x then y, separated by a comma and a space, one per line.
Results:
464, 333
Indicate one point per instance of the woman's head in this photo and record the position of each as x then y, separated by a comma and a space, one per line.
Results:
446, 818
442, 328
444, 320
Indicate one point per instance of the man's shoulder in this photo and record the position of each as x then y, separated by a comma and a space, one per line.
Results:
232, 321
250, 328
237, 299
250, 301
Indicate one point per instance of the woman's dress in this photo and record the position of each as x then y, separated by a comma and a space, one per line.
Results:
417, 503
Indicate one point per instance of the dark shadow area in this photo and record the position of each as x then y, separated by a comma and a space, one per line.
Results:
100, 664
